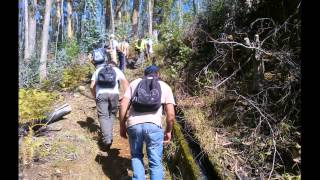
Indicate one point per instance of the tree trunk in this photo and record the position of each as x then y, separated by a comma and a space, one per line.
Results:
26, 32
20, 25
69, 19
112, 16
150, 13
45, 38
62, 21
180, 12
32, 28
117, 14
108, 15
134, 18
195, 8
58, 18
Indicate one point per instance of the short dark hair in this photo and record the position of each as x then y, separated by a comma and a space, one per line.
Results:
152, 69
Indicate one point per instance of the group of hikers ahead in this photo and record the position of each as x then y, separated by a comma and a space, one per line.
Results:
142, 105
118, 51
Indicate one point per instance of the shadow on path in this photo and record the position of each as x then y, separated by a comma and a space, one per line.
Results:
89, 124
114, 166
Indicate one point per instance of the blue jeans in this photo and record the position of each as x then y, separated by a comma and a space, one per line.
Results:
152, 135
122, 61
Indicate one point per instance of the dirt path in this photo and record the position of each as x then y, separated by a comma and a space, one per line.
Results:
74, 153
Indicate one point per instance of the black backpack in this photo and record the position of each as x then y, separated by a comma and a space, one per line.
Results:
98, 55
147, 95
107, 77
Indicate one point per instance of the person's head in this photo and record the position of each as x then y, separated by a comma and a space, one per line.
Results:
107, 45
151, 70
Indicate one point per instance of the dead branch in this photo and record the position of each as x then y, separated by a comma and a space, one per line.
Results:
235, 72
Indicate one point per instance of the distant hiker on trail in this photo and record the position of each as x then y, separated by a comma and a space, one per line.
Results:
122, 53
99, 54
126, 48
113, 44
139, 49
149, 50
104, 87
144, 100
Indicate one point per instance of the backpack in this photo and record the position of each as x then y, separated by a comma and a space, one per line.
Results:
107, 77
147, 95
98, 56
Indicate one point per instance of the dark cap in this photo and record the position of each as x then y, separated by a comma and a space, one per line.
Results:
151, 69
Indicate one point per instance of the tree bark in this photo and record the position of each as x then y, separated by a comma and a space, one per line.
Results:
32, 28
21, 17
180, 12
45, 38
112, 16
195, 8
134, 18
119, 4
108, 15
150, 14
62, 21
58, 18
69, 19
26, 32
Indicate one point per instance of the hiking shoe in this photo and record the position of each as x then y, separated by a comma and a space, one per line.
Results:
103, 153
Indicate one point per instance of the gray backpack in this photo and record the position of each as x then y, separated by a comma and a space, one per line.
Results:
98, 56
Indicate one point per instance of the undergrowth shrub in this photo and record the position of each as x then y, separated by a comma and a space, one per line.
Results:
30, 148
72, 49
72, 76
34, 104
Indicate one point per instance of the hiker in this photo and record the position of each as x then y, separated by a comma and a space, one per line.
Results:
144, 101
126, 48
122, 50
104, 87
99, 54
139, 50
149, 50
113, 53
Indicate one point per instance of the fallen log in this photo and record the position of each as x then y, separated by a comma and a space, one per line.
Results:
40, 124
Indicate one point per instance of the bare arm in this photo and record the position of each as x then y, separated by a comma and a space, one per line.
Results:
93, 88
122, 113
124, 85
170, 115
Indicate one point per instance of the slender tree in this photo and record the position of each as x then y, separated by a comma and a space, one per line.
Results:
45, 38
32, 27
26, 32
62, 21
112, 16
117, 11
180, 13
69, 19
134, 18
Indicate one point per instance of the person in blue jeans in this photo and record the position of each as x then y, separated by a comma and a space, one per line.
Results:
146, 127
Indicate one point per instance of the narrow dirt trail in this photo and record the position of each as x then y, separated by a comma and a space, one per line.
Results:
74, 151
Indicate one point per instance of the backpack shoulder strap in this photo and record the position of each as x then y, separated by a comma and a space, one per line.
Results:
132, 97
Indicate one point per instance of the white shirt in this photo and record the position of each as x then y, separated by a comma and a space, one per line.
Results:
153, 117
149, 42
115, 90
114, 44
